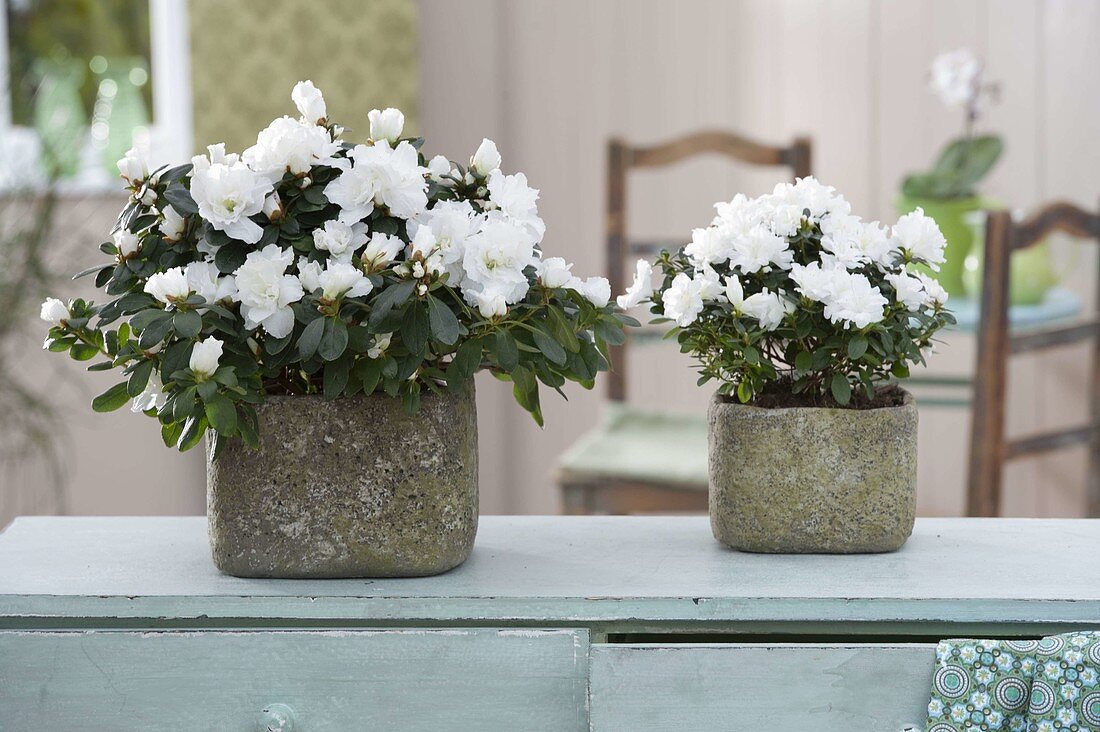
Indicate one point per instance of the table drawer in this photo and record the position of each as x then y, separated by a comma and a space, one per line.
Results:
747, 688
479, 679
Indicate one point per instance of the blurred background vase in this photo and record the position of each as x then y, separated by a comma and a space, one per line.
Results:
951, 214
1031, 275
120, 114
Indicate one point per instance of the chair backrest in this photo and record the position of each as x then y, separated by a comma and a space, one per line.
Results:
989, 448
621, 157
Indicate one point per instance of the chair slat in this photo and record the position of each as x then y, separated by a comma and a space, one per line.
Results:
1049, 441
1051, 337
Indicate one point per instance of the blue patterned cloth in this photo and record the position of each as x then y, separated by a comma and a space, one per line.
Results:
1049, 685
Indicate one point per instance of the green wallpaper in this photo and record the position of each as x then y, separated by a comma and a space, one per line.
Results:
247, 54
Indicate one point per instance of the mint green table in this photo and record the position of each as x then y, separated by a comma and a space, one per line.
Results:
555, 623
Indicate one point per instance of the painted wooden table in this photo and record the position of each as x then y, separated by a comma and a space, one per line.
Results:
555, 623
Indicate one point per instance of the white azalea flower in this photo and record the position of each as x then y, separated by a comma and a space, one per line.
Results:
920, 238
767, 307
310, 102
266, 292
290, 145
556, 272
386, 124
495, 258
597, 290
956, 77
877, 246
739, 216
134, 167
452, 223
854, 301
807, 194
203, 278
380, 175
760, 249
379, 344
816, 280
340, 240
53, 311
842, 236
381, 250
424, 248
228, 192
640, 289
172, 224
734, 292
168, 286
512, 195
439, 166
152, 397
934, 294
682, 300
486, 159
205, 356
126, 242
910, 290
338, 279
490, 303
710, 245
273, 207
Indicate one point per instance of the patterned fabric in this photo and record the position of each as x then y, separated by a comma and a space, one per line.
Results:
1049, 685
247, 54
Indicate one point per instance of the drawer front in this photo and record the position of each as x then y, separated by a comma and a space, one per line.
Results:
329, 680
748, 688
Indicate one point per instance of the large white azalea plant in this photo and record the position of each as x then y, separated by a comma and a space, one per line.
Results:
789, 299
311, 265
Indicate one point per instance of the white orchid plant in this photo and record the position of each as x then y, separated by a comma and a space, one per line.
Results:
790, 295
311, 265
958, 78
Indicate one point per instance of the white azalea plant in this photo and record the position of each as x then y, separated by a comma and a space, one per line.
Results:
310, 265
789, 295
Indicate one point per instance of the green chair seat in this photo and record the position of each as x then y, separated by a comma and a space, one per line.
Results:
637, 445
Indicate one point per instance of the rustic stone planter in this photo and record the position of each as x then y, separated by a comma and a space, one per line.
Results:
348, 488
808, 480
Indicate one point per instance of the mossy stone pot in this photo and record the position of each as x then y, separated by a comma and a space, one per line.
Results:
812, 480
353, 487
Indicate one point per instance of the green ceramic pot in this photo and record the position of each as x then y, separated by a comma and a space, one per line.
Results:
951, 216
1031, 274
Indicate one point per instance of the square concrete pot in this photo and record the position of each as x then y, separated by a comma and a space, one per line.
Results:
812, 480
353, 487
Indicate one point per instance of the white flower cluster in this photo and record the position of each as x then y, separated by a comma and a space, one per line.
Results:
752, 238
956, 77
485, 248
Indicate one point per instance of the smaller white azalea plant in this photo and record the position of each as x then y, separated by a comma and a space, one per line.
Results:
311, 265
790, 295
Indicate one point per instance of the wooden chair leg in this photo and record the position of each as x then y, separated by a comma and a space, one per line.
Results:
987, 440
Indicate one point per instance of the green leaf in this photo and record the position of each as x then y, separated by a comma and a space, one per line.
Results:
230, 257
221, 414
111, 399
367, 371
187, 323
442, 321
467, 359
390, 298
900, 370
311, 338
334, 339
611, 331
744, 391
804, 361
414, 329
525, 388
193, 430
170, 433
841, 388
139, 378
336, 377
857, 347
505, 350
181, 200
550, 348
82, 352
563, 330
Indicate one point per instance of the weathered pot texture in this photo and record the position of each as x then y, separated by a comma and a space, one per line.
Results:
812, 480
353, 487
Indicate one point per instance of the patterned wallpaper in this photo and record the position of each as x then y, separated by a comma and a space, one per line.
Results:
247, 54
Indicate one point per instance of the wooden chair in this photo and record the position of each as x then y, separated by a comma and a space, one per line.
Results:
990, 449
645, 461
